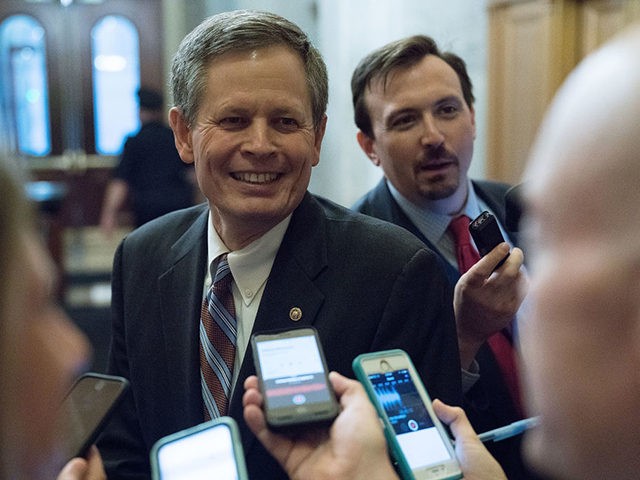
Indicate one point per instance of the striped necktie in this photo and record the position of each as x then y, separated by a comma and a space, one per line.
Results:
218, 330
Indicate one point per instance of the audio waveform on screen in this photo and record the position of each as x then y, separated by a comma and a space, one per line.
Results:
389, 397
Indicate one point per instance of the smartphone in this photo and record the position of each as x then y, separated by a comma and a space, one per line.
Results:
85, 410
486, 234
209, 450
293, 378
419, 445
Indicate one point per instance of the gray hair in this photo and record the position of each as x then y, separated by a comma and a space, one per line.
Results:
241, 30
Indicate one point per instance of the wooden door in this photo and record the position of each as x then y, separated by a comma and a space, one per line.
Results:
68, 26
72, 159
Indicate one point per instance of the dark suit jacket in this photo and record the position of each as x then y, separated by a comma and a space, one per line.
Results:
366, 285
488, 403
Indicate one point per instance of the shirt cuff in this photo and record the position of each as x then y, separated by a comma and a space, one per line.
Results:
470, 376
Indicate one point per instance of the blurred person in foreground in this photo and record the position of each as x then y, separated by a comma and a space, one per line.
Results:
41, 351
250, 94
581, 334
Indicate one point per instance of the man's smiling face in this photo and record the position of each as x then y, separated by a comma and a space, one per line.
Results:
254, 142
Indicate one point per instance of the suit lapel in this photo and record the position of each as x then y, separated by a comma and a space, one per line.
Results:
301, 257
181, 295
388, 209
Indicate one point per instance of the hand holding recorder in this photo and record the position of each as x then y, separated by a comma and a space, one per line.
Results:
353, 447
487, 297
418, 443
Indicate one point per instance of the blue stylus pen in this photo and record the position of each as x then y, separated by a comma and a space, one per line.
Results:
511, 430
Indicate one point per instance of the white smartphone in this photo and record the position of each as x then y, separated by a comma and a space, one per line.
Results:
293, 378
206, 451
418, 443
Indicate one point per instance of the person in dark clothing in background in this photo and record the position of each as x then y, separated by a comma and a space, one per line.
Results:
150, 174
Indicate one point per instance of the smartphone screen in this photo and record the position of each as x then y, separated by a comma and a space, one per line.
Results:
85, 410
210, 450
417, 435
416, 438
293, 378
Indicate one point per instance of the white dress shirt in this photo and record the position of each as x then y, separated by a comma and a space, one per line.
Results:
250, 268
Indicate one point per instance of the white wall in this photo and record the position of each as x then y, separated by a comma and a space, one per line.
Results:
345, 31
348, 30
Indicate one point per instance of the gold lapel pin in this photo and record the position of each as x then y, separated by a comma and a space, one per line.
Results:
295, 314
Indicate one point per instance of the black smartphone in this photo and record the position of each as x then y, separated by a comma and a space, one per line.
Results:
209, 450
293, 378
85, 410
486, 234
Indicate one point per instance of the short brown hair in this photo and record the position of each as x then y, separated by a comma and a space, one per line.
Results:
400, 54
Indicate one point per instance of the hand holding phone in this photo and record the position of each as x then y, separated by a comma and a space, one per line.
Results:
418, 442
486, 234
293, 378
354, 444
210, 450
85, 410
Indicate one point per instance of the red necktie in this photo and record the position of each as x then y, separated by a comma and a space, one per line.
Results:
499, 342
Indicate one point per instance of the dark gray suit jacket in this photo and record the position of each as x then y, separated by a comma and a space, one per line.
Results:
488, 403
365, 285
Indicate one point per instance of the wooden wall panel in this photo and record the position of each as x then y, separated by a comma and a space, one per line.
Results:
533, 46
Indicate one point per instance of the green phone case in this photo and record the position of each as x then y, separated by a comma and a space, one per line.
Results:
398, 458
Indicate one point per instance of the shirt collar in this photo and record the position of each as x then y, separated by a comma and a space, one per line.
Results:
251, 265
431, 224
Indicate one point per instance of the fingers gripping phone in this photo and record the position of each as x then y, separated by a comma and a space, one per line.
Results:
211, 450
418, 443
293, 378
85, 410
486, 234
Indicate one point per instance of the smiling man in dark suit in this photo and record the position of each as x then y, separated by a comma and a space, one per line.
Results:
250, 95
414, 110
